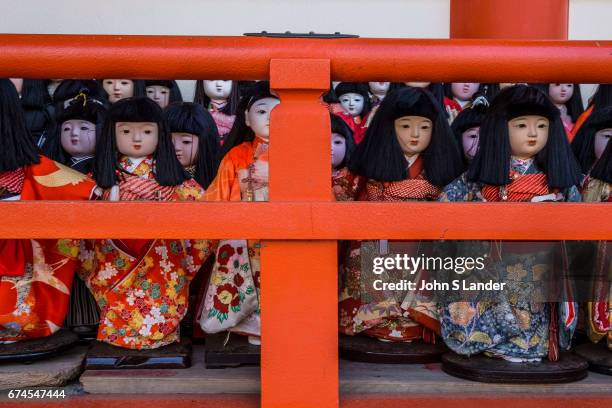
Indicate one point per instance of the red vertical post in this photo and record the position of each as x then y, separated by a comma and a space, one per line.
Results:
510, 19
299, 355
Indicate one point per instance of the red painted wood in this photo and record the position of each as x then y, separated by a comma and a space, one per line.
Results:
516, 19
68, 56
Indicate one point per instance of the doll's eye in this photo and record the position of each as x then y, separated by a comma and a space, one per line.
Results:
425, 127
67, 128
337, 142
124, 83
186, 142
521, 125
261, 111
126, 131
542, 126
147, 132
84, 128
108, 82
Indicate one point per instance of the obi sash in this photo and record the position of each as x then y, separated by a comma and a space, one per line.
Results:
522, 188
416, 187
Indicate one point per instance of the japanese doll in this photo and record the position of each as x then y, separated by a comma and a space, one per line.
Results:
594, 152
568, 98
378, 91
220, 98
601, 99
117, 89
141, 286
231, 302
34, 99
163, 92
354, 99
342, 146
523, 156
458, 96
35, 274
408, 154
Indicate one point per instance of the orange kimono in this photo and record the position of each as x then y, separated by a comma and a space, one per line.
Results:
36, 274
231, 301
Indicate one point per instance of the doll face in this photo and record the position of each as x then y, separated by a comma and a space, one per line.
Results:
258, 117
528, 135
78, 137
352, 103
413, 134
602, 137
379, 88
560, 93
503, 85
418, 84
160, 94
18, 82
469, 142
136, 139
338, 149
118, 89
218, 89
186, 147
464, 91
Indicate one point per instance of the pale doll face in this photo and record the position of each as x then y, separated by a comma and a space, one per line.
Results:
186, 147
338, 149
503, 85
560, 93
258, 117
78, 137
217, 89
118, 89
464, 91
418, 84
136, 139
602, 138
18, 82
379, 88
352, 103
413, 134
160, 94
528, 135
469, 141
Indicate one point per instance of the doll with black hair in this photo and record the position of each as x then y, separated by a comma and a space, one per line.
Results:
35, 274
342, 147
466, 128
459, 96
602, 98
163, 92
378, 91
231, 302
196, 140
524, 156
568, 99
34, 100
220, 98
117, 89
354, 99
141, 286
408, 154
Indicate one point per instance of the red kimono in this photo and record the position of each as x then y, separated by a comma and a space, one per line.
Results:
36, 275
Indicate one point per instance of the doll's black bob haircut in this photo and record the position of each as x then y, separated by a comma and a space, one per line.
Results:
240, 132
17, 148
169, 171
192, 118
602, 97
467, 119
380, 157
574, 105
491, 165
584, 143
357, 88
339, 126
201, 98
172, 85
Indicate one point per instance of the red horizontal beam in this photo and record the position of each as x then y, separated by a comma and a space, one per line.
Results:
99, 56
304, 220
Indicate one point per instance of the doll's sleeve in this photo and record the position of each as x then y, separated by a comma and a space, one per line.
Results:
455, 191
344, 185
223, 186
573, 195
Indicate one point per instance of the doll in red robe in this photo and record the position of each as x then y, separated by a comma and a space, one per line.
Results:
354, 99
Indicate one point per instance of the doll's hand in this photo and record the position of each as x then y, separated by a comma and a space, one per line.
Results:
260, 174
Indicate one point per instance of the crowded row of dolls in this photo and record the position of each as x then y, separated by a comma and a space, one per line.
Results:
390, 142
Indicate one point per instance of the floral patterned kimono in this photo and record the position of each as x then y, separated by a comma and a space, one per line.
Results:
510, 328
142, 286
36, 274
231, 302
600, 313
223, 121
389, 315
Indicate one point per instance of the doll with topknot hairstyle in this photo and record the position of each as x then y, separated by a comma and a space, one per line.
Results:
524, 156
163, 92
220, 98
136, 160
354, 99
35, 274
408, 154
196, 140
231, 301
